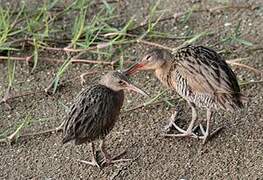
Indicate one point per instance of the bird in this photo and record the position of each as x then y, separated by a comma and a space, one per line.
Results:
200, 76
95, 111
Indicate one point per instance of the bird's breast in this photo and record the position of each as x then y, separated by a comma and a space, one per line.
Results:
164, 76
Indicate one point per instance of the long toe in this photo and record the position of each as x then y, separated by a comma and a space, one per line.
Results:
184, 134
116, 159
119, 155
209, 136
205, 138
199, 130
215, 132
179, 129
120, 160
168, 127
92, 163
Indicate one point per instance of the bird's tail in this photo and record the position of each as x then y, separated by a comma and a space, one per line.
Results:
66, 138
232, 102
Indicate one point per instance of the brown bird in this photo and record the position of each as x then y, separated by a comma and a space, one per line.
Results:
95, 111
200, 76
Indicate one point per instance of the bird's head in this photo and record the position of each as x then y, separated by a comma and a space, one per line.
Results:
117, 81
152, 60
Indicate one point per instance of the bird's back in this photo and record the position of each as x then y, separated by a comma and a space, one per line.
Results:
93, 114
204, 78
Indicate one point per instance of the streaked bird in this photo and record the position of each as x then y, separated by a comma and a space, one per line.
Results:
95, 111
199, 75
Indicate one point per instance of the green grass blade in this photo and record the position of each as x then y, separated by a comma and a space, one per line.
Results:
244, 42
59, 74
155, 98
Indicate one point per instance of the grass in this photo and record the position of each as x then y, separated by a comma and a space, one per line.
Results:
192, 40
77, 32
11, 66
59, 74
158, 98
11, 135
236, 37
79, 24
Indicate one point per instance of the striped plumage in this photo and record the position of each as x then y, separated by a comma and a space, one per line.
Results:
95, 111
92, 115
207, 79
199, 75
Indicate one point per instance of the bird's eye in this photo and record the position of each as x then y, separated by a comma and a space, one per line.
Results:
121, 82
148, 57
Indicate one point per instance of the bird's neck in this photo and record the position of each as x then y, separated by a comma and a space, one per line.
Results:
104, 82
163, 73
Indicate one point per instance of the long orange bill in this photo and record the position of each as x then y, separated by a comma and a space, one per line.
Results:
133, 69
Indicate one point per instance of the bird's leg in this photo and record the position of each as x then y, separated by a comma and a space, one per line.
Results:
192, 123
94, 161
189, 131
206, 133
107, 157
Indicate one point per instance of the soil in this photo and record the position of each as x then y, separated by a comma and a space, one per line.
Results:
235, 153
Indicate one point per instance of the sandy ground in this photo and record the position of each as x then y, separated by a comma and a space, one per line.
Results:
236, 153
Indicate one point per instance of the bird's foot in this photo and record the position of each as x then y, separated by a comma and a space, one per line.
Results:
186, 134
94, 162
206, 135
111, 160
183, 133
91, 163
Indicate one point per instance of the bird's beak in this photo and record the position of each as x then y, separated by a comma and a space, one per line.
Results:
134, 68
136, 89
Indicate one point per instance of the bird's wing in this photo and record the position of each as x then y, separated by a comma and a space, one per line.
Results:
205, 71
89, 113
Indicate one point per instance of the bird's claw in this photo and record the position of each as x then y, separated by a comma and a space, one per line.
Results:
186, 134
111, 160
92, 163
205, 135
183, 133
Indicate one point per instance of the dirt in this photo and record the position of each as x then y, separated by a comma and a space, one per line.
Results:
236, 153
